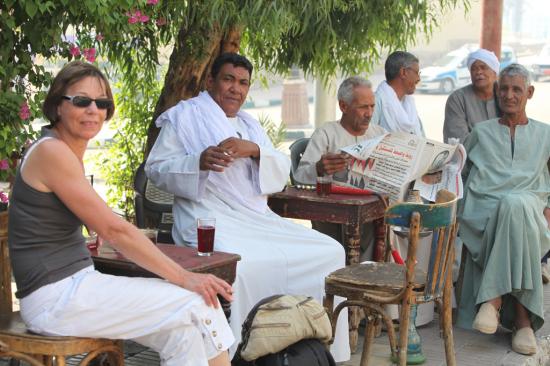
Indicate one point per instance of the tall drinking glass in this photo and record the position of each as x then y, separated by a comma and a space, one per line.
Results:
206, 229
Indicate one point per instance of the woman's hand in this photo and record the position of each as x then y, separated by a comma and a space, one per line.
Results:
208, 286
547, 215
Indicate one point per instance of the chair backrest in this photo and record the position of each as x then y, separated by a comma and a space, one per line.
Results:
297, 149
153, 206
439, 219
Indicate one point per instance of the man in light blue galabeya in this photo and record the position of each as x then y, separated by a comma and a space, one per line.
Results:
505, 216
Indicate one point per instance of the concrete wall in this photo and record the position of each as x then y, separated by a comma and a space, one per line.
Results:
455, 29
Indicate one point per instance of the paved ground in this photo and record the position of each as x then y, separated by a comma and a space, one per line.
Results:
472, 348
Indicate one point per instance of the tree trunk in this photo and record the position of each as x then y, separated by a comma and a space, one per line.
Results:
189, 67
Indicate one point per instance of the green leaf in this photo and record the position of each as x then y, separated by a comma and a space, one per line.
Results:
31, 8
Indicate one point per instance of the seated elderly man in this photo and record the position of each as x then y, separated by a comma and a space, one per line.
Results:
502, 217
219, 163
322, 157
356, 101
475, 102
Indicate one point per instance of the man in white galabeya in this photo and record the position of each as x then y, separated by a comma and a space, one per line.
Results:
219, 163
395, 106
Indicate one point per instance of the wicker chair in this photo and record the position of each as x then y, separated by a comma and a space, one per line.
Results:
371, 286
153, 206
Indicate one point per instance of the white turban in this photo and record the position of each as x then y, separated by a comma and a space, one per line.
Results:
485, 56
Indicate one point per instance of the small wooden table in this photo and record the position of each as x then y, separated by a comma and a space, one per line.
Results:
352, 211
223, 265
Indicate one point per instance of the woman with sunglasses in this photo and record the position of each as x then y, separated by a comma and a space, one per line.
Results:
60, 292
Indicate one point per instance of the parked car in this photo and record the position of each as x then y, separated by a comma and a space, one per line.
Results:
540, 64
451, 71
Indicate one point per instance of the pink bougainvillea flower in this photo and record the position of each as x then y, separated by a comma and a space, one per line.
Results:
24, 111
161, 21
152, 2
137, 16
99, 37
3, 197
133, 16
89, 54
4, 165
74, 50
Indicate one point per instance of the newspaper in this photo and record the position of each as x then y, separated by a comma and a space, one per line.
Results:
390, 162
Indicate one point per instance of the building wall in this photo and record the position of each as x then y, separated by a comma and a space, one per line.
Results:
455, 29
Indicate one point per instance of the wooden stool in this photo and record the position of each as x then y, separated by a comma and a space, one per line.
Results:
18, 343
371, 286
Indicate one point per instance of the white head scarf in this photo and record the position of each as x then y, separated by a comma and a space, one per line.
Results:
199, 123
485, 56
398, 115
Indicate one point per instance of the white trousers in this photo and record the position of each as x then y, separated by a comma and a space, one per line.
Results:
169, 319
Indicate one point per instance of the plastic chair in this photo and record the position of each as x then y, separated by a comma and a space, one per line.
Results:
153, 206
297, 149
371, 286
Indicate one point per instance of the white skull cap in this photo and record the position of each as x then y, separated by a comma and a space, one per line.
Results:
485, 56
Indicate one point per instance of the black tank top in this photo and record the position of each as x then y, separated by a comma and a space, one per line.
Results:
44, 237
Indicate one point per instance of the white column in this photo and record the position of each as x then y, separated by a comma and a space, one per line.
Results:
325, 101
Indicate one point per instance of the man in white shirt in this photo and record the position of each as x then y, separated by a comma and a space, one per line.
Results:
322, 156
219, 163
395, 106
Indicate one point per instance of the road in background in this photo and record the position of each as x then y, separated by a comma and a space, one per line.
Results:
431, 108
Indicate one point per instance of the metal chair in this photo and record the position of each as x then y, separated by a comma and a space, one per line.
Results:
18, 344
297, 149
153, 206
371, 286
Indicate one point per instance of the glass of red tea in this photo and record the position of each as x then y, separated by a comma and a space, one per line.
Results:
206, 229
324, 183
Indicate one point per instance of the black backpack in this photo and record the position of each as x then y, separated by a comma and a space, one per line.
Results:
306, 352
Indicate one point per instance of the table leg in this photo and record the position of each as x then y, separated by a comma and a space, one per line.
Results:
353, 238
379, 240
352, 235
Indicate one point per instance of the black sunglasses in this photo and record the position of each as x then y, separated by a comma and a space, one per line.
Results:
83, 102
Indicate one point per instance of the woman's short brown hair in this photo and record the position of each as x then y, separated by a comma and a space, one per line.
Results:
71, 73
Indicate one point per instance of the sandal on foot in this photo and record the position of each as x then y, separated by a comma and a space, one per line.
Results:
486, 320
524, 341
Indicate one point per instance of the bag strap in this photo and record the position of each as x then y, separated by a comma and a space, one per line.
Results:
245, 332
